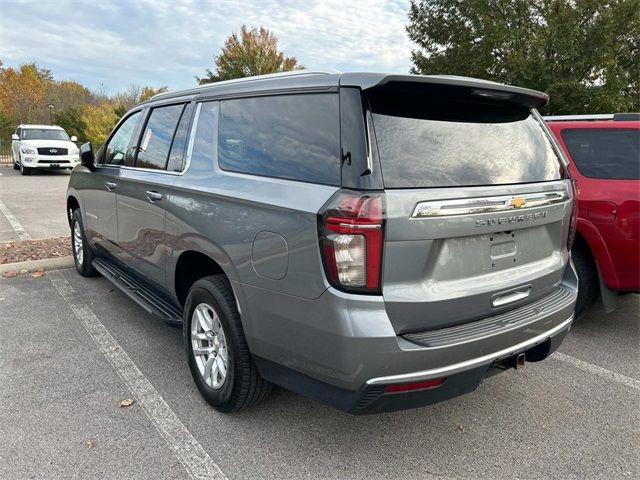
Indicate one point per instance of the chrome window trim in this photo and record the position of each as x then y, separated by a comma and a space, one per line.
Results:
498, 203
187, 162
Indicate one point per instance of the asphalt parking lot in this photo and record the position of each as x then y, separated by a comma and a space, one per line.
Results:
63, 375
71, 349
35, 202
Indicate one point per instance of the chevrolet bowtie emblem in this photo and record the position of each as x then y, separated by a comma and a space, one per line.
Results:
517, 202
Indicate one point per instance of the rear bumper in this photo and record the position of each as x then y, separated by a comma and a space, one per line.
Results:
342, 349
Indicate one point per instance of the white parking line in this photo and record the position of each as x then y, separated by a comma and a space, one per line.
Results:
13, 221
596, 370
186, 448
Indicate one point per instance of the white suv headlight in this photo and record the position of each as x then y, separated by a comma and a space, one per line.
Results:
74, 151
28, 150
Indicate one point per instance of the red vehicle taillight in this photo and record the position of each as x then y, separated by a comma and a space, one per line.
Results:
351, 236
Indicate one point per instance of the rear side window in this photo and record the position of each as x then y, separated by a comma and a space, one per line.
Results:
176, 155
155, 141
612, 153
426, 142
287, 136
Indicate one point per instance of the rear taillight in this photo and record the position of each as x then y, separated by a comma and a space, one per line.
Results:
574, 215
351, 236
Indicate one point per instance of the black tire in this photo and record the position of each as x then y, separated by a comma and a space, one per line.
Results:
243, 385
24, 170
85, 265
589, 287
15, 164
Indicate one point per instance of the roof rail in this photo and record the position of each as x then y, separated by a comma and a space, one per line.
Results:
621, 117
566, 118
618, 117
256, 78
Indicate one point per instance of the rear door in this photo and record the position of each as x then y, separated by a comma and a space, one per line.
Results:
144, 190
477, 209
608, 159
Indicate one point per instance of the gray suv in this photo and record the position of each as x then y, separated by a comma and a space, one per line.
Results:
374, 241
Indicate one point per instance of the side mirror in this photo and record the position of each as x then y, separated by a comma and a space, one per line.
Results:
15, 137
74, 138
87, 158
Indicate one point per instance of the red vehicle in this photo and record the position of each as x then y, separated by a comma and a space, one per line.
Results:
604, 160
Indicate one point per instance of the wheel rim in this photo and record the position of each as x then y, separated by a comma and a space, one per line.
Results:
77, 243
209, 345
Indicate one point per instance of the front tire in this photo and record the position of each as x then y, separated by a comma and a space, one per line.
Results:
82, 253
588, 289
217, 350
24, 170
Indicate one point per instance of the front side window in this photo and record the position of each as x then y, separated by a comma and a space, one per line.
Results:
295, 137
118, 147
44, 134
611, 153
156, 139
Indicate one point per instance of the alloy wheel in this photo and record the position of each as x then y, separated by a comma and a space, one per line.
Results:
209, 345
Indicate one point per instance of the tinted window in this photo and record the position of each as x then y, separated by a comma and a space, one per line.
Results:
204, 144
176, 155
118, 146
288, 136
155, 141
424, 142
606, 152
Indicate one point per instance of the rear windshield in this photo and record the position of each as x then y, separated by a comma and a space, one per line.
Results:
612, 153
426, 142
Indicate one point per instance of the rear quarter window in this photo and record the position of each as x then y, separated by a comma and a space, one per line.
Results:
608, 153
295, 137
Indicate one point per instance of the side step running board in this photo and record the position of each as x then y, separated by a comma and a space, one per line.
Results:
138, 292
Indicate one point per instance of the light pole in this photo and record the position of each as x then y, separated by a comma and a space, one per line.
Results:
51, 105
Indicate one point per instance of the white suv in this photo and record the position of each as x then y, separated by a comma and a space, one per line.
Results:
43, 146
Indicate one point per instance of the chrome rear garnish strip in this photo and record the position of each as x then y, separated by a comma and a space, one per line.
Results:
439, 208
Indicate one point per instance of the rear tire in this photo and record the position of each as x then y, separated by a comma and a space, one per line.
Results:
589, 287
82, 252
212, 323
15, 163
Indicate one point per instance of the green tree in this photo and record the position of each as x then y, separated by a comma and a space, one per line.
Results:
251, 52
99, 120
71, 120
585, 53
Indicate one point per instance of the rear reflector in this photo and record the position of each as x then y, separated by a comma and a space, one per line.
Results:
406, 387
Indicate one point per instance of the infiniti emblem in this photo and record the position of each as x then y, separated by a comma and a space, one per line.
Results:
53, 150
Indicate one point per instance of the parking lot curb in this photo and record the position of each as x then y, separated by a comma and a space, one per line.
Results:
45, 263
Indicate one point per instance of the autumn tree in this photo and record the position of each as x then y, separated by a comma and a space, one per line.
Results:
250, 52
585, 53
99, 120
147, 92
22, 93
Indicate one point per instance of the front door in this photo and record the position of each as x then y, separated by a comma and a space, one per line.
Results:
99, 187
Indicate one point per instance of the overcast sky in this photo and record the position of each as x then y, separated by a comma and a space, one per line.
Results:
113, 44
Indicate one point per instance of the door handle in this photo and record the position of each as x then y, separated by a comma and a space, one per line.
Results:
110, 185
153, 196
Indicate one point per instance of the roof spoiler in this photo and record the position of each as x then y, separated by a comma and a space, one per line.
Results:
474, 87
